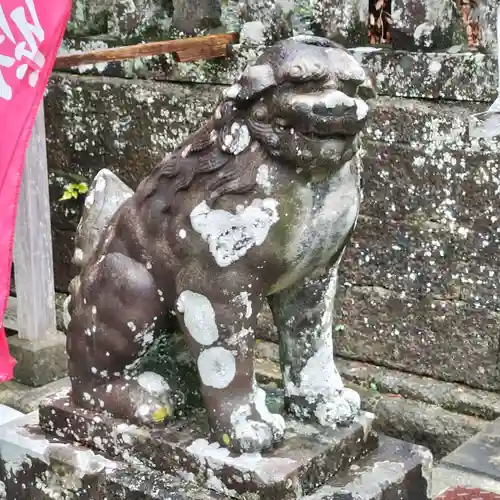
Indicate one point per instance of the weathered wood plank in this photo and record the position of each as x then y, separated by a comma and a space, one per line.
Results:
186, 50
33, 261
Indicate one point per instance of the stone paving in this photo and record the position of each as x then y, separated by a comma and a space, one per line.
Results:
462, 493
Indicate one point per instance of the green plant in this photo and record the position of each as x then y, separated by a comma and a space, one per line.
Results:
373, 387
73, 190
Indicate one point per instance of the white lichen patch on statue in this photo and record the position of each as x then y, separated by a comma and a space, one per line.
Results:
128, 434
336, 98
250, 434
253, 434
199, 317
82, 461
18, 446
340, 410
243, 299
366, 423
153, 383
276, 421
237, 140
361, 109
217, 367
266, 469
78, 257
78, 463
145, 411
65, 310
145, 336
106, 194
263, 178
231, 235
233, 91
98, 186
240, 341
320, 375
160, 405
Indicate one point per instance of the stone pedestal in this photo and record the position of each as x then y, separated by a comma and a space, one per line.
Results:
38, 348
34, 466
307, 458
75, 453
39, 362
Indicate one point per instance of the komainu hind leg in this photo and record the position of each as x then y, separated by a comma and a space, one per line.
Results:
314, 390
114, 308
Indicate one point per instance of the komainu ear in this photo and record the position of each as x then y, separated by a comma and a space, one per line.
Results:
368, 89
254, 80
234, 137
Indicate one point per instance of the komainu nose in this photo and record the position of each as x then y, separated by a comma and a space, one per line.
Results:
324, 110
335, 103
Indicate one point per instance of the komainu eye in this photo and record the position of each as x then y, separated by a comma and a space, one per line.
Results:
297, 71
280, 124
308, 70
260, 113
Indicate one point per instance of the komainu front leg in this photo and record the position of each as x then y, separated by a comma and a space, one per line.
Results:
218, 314
313, 387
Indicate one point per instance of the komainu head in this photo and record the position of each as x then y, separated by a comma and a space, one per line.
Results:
303, 100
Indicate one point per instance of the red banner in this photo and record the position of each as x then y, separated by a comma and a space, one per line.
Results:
31, 32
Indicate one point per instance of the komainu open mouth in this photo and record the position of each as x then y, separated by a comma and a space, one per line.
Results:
324, 137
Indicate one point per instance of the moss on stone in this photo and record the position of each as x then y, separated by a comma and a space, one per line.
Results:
169, 357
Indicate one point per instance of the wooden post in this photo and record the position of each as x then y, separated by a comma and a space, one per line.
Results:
33, 264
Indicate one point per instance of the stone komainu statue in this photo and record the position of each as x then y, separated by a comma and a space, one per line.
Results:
257, 205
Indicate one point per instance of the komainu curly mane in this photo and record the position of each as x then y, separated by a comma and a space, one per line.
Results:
200, 157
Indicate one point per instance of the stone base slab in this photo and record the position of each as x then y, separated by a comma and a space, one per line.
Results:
35, 466
39, 362
27, 399
308, 457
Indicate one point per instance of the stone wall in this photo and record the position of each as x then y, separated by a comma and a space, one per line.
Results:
419, 282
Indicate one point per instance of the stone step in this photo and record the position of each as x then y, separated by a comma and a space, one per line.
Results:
396, 470
7, 414
474, 465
